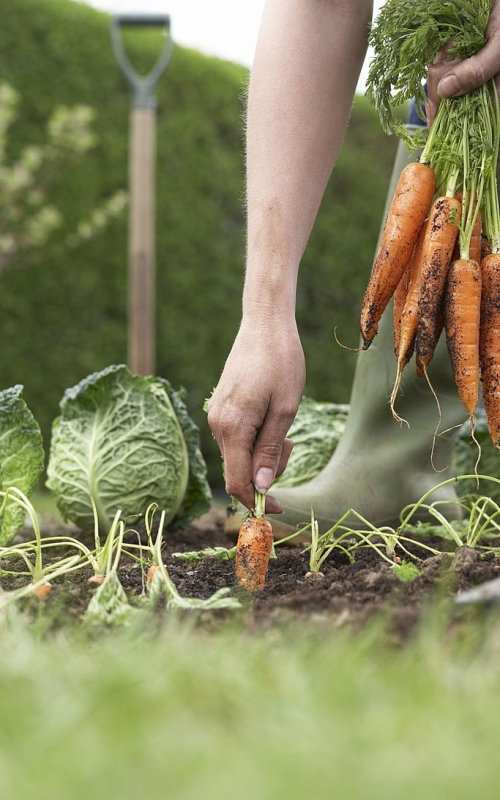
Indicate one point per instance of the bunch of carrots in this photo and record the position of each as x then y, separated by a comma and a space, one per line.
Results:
439, 254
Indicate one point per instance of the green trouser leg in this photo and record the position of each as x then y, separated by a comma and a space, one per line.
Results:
379, 467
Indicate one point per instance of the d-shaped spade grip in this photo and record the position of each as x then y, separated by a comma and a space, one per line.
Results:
143, 86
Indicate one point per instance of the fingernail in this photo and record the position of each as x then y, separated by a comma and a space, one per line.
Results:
448, 86
264, 479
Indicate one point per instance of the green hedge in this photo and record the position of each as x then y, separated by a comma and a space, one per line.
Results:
66, 317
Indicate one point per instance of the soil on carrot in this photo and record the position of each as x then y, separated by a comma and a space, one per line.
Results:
344, 594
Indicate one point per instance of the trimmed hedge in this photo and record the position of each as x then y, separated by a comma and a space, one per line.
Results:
66, 317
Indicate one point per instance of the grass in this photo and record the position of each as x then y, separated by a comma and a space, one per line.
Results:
198, 715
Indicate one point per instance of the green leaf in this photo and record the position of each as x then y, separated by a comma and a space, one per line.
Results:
198, 497
21, 456
406, 571
117, 439
315, 431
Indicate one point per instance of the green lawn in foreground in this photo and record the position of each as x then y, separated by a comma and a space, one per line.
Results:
191, 715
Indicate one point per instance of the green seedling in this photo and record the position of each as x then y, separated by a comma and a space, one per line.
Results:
347, 540
109, 605
406, 571
160, 585
41, 576
481, 515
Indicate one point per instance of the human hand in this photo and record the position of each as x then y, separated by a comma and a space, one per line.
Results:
254, 405
456, 77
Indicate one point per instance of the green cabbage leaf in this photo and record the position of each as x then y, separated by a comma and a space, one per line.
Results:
21, 457
125, 441
315, 431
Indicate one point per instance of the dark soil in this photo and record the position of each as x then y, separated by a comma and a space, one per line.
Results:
344, 594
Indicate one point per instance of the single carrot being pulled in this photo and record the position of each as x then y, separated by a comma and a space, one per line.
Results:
407, 212
253, 549
489, 342
462, 312
437, 250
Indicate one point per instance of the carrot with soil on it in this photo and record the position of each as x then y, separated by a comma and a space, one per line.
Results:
407, 212
405, 341
489, 343
254, 547
399, 301
462, 311
437, 249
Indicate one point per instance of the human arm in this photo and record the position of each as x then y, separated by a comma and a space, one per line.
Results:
307, 62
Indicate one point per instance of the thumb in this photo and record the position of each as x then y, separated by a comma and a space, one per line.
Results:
471, 73
267, 466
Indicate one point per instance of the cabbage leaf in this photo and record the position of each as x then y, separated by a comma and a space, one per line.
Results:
315, 431
126, 441
21, 457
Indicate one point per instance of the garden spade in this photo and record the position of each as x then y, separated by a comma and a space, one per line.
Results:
141, 246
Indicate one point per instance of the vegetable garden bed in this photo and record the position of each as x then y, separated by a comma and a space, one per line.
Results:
345, 595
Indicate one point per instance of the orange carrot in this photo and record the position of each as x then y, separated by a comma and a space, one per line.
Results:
41, 591
255, 541
489, 342
399, 301
95, 579
409, 207
409, 319
437, 250
434, 335
154, 569
462, 314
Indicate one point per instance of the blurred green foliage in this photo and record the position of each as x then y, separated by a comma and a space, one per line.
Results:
66, 317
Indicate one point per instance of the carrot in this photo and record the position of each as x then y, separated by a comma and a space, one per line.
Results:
489, 342
399, 301
407, 212
462, 314
409, 319
435, 335
161, 568
255, 541
437, 250
41, 591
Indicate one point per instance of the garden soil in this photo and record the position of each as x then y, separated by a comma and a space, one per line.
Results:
345, 594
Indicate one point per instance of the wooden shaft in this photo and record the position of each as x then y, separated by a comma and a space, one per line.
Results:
141, 266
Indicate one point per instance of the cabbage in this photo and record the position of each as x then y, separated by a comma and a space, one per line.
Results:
316, 431
125, 441
21, 457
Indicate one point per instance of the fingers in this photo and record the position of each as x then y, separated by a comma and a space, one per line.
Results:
271, 451
455, 78
236, 441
